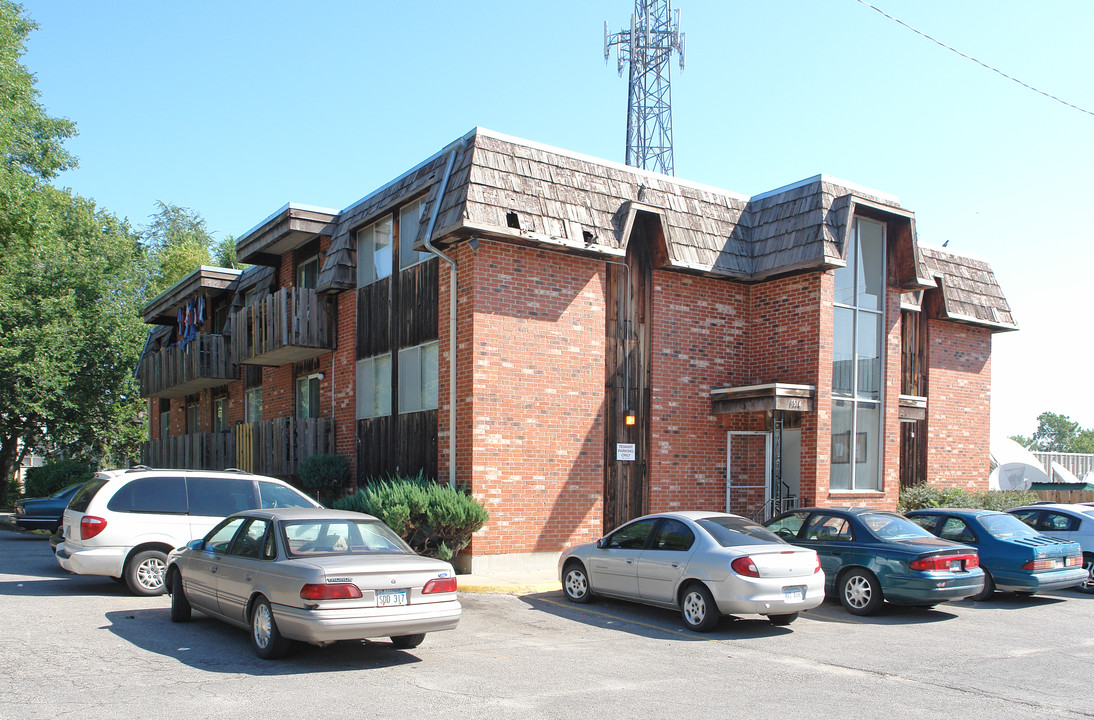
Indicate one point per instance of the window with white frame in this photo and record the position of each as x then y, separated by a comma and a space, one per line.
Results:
410, 220
252, 404
220, 413
307, 273
307, 396
374, 252
374, 387
858, 360
418, 378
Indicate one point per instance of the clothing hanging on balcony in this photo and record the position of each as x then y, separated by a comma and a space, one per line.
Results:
191, 318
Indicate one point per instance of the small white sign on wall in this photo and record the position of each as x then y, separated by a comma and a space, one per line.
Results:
624, 451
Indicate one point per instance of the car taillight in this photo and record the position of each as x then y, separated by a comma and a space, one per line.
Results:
946, 562
330, 591
818, 568
745, 566
440, 585
90, 526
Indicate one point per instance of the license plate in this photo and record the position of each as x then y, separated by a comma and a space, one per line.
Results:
794, 594
955, 566
387, 598
1058, 563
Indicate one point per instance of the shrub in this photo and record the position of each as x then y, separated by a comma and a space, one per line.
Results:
434, 519
51, 477
928, 496
324, 473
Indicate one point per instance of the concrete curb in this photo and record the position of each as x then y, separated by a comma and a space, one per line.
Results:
506, 588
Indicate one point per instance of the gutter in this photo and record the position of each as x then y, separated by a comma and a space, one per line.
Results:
452, 149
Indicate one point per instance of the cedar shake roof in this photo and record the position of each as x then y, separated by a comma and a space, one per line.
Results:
517, 191
970, 292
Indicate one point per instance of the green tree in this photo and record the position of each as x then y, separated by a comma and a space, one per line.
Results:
177, 242
1059, 433
72, 282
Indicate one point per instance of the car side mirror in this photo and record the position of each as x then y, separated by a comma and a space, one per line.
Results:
602, 543
198, 544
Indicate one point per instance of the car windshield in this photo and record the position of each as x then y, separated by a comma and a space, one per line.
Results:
306, 538
1004, 527
892, 527
731, 532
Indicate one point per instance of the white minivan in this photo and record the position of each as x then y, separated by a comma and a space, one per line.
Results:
124, 522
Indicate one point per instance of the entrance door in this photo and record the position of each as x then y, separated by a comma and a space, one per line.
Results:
748, 468
792, 470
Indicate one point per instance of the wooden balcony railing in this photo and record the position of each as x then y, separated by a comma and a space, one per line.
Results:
180, 369
276, 447
197, 451
291, 325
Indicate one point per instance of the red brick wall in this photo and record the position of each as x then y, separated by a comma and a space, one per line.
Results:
342, 379
699, 340
958, 405
531, 341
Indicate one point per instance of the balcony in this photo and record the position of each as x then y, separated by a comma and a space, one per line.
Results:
276, 447
180, 369
290, 325
197, 451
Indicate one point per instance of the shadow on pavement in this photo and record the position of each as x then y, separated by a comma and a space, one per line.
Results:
647, 621
210, 645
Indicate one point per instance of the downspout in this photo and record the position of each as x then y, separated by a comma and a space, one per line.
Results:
452, 150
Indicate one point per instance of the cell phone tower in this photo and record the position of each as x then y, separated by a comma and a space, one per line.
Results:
648, 46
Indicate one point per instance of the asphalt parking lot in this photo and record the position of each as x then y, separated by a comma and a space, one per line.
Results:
83, 647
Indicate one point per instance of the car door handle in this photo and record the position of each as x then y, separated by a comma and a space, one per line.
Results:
213, 570
676, 565
629, 561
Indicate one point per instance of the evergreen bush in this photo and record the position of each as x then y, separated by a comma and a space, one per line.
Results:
434, 519
51, 477
923, 496
323, 473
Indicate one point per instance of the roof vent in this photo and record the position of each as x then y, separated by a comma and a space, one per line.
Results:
512, 220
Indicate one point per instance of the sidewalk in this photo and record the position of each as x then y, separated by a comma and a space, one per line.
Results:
510, 583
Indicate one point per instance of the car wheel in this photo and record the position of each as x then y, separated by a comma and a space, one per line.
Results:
405, 642
1087, 586
575, 583
266, 639
860, 592
697, 608
180, 604
144, 573
988, 591
781, 620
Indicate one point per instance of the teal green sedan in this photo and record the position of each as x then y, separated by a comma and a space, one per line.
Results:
1014, 557
872, 556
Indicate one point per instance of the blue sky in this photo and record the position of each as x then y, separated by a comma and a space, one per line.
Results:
235, 108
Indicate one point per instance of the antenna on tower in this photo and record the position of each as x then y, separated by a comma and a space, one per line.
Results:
648, 46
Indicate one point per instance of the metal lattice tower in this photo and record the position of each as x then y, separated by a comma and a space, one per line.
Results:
648, 46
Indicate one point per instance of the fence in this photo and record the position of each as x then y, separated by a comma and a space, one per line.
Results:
1078, 463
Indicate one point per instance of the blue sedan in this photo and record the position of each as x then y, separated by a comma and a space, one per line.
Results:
1014, 556
870, 556
44, 513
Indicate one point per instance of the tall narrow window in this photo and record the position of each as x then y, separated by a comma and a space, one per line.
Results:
307, 273
252, 404
410, 220
307, 396
374, 252
165, 417
220, 414
418, 378
193, 417
374, 387
858, 360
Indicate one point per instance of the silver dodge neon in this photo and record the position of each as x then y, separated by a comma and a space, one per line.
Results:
704, 563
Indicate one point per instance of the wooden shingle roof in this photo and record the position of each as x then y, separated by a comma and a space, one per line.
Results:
522, 192
970, 291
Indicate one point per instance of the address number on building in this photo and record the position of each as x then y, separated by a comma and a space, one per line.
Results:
624, 451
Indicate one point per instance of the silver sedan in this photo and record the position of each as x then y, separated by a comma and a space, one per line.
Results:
313, 575
704, 563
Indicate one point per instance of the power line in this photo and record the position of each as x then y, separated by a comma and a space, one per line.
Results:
970, 57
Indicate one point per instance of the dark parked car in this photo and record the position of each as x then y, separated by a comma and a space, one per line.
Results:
1013, 556
44, 513
870, 556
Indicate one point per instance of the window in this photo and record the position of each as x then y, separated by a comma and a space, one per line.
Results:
220, 537
279, 496
418, 378
307, 396
251, 541
374, 387
193, 414
410, 220
219, 497
956, 530
858, 360
165, 417
374, 252
307, 273
252, 404
220, 414
788, 526
673, 535
734, 531
827, 528
151, 495
633, 536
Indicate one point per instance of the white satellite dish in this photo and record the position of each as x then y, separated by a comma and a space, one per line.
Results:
1015, 468
1061, 474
